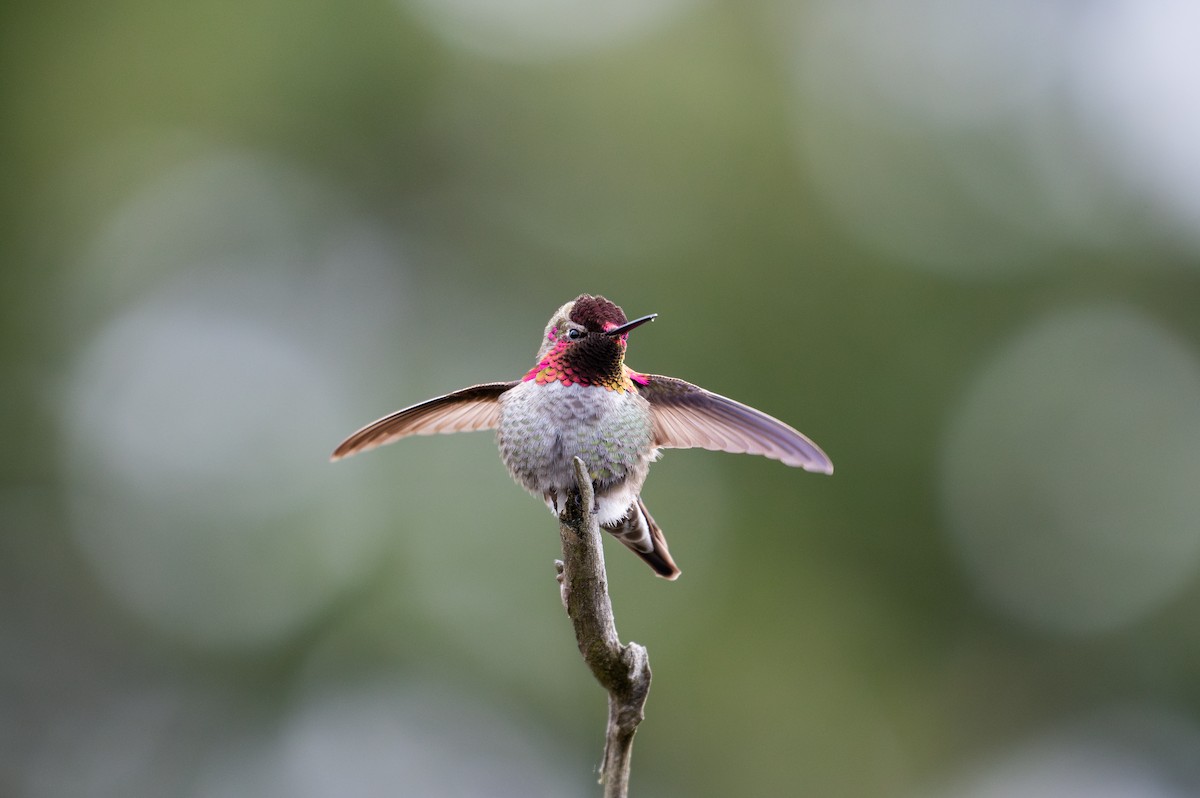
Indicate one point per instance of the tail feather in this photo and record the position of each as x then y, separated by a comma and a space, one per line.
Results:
642, 536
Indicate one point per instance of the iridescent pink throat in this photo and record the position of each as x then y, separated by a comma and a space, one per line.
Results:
554, 368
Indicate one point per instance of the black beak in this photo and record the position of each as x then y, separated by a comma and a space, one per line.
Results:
629, 325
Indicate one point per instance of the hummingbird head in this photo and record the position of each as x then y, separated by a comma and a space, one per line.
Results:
585, 342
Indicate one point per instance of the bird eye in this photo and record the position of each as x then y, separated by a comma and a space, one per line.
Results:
575, 334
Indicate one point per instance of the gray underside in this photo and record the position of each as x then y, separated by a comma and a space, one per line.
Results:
543, 427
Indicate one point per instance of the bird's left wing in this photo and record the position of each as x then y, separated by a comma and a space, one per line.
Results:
474, 408
687, 416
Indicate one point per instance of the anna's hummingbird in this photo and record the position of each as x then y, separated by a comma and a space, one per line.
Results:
582, 400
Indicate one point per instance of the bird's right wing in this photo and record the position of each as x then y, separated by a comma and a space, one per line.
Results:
474, 408
687, 416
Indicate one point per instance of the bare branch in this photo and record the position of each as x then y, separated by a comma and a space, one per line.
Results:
624, 671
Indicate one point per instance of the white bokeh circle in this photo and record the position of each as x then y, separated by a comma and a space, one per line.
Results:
196, 498
219, 312
1068, 472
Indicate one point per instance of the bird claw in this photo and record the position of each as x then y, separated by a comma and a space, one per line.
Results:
553, 494
561, 576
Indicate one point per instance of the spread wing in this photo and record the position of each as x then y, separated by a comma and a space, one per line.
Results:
687, 416
474, 408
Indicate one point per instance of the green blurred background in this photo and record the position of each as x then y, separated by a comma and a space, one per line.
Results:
957, 243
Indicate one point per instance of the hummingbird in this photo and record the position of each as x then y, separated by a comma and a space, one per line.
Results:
581, 400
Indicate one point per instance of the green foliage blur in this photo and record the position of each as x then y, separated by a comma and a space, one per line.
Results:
956, 244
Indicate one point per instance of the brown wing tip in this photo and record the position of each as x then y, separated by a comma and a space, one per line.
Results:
346, 449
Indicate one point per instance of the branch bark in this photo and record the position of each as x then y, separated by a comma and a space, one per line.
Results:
624, 671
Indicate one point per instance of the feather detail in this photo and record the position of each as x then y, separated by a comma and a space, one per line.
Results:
687, 416
465, 410
638, 531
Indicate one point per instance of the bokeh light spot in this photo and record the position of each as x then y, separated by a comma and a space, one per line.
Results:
198, 419
1137, 68
396, 737
1123, 752
536, 30
1065, 472
892, 104
198, 496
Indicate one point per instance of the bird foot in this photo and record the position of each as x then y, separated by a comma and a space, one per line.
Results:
561, 576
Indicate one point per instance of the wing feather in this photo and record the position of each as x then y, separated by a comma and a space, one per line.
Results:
466, 410
687, 416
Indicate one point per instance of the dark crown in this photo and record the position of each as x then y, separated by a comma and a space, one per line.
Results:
596, 312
